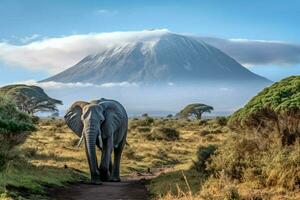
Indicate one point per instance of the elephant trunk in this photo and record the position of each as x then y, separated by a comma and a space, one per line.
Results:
90, 141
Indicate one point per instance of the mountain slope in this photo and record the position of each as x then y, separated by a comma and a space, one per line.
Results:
162, 59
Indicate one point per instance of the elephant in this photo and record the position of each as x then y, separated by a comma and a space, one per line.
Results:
102, 123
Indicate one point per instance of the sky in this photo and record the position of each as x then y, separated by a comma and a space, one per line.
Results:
35, 35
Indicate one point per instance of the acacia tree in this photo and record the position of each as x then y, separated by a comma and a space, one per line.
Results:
33, 104
31, 99
194, 110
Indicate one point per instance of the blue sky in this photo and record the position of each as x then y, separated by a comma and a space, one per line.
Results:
24, 21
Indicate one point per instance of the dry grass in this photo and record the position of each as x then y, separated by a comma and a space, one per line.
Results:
50, 157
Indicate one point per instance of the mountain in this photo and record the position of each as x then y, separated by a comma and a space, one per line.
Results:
166, 58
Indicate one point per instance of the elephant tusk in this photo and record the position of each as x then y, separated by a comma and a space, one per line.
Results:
80, 141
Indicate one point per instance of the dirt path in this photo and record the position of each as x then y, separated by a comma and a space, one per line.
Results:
130, 189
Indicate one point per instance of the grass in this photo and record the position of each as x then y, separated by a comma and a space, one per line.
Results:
44, 160
203, 162
49, 157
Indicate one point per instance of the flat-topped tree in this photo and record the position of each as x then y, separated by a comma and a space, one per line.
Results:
30, 99
275, 109
194, 110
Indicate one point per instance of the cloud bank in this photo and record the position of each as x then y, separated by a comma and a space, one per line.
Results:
155, 100
57, 54
257, 52
59, 85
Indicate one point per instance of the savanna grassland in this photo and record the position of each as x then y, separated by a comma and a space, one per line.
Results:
252, 155
176, 152
50, 156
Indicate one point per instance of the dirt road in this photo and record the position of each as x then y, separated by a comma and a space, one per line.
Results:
133, 189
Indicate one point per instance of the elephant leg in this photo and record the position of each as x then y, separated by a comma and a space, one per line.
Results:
106, 159
117, 161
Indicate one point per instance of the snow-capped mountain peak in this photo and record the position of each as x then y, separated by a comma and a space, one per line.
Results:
155, 57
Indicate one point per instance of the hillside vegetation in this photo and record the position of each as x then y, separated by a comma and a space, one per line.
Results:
274, 110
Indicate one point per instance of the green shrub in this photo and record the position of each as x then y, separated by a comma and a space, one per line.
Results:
204, 154
14, 128
274, 110
163, 133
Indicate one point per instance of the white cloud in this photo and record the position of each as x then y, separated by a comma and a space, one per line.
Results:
59, 85
56, 54
121, 84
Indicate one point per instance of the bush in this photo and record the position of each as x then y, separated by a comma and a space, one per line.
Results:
14, 128
222, 121
221, 188
282, 167
143, 129
145, 115
259, 161
163, 133
204, 154
236, 154
146, 121
203, 122
169, 116
30, 152
204, 132
274, 110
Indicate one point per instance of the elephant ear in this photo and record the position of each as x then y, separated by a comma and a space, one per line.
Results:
73, 117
